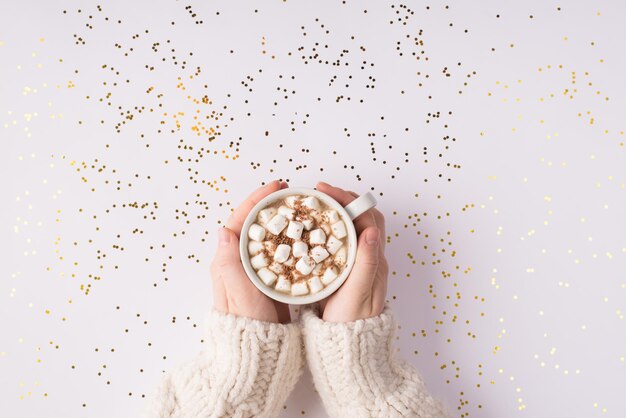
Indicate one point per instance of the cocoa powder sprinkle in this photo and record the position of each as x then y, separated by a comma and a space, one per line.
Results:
301, 213
280, 239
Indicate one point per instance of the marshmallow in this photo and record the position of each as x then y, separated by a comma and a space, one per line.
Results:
315, 284
299, 289
286, 212
256, 232
282, 253
291, 200
319, 254
315, 214
270, 246
300, 248
294, 230
326, 228
254, 247
276, 267
341, 256
311, 203
333, 244
259, 261
267, 276
318, 269
290, 262
317, 236
305, 265
331, 216
266, 214
329, 275
283, 285
308, 224
276, 224
339, 229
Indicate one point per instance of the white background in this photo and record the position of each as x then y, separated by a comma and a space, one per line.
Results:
128, 133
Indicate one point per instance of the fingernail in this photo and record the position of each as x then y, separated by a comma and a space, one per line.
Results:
223, 236
372, 236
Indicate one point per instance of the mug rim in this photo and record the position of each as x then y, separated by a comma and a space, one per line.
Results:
275, 294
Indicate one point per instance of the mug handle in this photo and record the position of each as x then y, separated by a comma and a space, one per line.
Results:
360, 205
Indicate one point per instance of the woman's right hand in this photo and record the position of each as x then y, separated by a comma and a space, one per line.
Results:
363, 293
233, 292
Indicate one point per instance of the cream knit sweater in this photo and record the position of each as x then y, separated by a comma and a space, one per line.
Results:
249, 367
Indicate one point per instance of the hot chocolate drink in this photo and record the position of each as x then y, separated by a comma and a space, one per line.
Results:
298, 245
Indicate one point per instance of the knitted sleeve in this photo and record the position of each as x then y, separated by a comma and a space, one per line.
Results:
357, 373
247, 368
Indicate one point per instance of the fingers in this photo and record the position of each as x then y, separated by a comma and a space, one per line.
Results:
366, 265
379, 218
340, 195
380, 223
236, 219
364, 221
226, 268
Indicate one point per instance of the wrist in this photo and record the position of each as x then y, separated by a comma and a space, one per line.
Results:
359, 322
363, 310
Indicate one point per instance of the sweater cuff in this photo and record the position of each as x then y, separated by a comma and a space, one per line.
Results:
247, 368
254, 364
357, 373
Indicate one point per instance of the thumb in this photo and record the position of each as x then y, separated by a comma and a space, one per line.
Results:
366, 264
226, 266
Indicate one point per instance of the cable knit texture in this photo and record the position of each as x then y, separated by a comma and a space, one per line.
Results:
246, 369
357, 373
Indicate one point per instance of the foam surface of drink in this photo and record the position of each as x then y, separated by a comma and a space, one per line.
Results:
298, 245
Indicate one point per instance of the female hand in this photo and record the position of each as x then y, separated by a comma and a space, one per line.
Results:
363, 293
233, 292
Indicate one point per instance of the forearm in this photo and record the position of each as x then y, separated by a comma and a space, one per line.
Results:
357, 373
246, 369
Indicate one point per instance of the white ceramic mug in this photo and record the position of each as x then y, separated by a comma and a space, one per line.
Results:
348, 214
